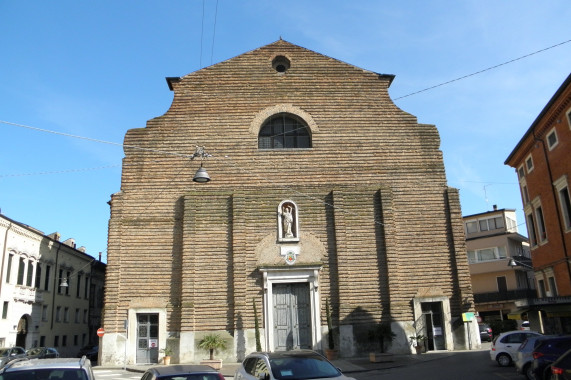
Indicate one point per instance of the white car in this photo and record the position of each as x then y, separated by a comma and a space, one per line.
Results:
504, 346
296, 364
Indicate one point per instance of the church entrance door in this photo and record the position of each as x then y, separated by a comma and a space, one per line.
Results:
292, 316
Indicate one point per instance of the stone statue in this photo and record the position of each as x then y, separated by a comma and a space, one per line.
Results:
288, 221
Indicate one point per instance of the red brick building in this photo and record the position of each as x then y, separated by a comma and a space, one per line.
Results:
542, 160
322, 191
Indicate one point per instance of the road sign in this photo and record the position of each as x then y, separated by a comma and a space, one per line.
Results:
100, 332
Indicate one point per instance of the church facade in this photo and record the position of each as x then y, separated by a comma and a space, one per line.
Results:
322, 191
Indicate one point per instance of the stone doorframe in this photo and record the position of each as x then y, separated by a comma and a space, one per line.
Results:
446, 315
309, 275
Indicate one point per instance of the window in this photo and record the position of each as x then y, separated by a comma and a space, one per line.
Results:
512, 225
77, 315
84, 315
47, 278
64, 340
541, 288
529, 163
30, 275
471, 227
86, 288
487, 254
66, 314
569, 118
21, 271
78, 293
38, 276
541, 232
58, 314
9, 269
56, 341
44, 313
491, 223
552, 139
520, 172
42, 341
60, 279
564, 201
524, 194
552, 287
284, 131
76, 340
5, 310
531, 230
68, 283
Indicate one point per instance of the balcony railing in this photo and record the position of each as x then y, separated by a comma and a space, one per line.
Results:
504, 296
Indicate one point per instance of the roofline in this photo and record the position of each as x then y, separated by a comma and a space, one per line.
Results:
561, 88
489, 212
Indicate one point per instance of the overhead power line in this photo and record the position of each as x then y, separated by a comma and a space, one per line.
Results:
484, 70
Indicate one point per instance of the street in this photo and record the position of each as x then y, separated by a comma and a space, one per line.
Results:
467, 365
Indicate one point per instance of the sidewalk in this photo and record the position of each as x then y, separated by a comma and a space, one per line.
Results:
347, 366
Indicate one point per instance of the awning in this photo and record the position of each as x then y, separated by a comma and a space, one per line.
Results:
517, 314
557, 310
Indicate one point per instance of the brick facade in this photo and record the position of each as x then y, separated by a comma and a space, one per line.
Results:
378, 225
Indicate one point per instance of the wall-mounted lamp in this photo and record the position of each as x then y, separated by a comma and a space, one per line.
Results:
63, 283
201, 176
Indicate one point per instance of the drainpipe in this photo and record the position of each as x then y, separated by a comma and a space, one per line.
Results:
557, 211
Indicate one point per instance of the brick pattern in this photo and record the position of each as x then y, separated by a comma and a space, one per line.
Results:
372, 189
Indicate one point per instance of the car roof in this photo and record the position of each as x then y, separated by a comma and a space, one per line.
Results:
288, 354
46, 363
180, 369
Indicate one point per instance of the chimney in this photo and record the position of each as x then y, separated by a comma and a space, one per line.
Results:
495, 207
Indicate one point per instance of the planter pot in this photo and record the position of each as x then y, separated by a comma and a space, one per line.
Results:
214, 363
166, 360
418, 349
331, 354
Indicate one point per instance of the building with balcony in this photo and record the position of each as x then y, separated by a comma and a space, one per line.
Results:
542, 162
492, 240
46, 290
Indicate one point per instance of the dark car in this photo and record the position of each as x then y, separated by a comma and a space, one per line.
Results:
42, 353
561, 368
40, 369
281, 365
548, 352
485, 332
524, 359
8, 354
90, 351
186, 372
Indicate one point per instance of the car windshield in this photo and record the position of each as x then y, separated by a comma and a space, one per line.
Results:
34, 351
4, 352
42, 374
196, 376
312, 367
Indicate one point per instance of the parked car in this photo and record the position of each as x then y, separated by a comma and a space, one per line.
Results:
504, 346
40, 369
561, 368
186, 371
524, 357
485, 332
547, 352
524, 325
298, 364
42, 353
10, 353
90, 351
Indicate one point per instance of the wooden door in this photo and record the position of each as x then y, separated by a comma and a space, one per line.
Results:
292, 316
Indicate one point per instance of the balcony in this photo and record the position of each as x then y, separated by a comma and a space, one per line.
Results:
509, 295
27, 294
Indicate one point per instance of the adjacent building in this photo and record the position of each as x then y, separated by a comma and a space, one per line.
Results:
542, 161
492, 241
322, 190
46, 289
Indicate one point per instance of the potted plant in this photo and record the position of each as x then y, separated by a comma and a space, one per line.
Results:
418, 342
167, 355
331, 353
211, 343
384, 335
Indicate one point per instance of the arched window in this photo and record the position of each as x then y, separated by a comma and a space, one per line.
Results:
284, 131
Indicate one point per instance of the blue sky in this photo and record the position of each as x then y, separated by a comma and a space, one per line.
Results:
97, 69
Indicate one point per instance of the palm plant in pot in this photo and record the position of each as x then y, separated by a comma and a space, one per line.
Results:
211, 343
330, 352
167, 355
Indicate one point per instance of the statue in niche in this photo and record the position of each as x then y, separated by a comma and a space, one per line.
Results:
288, 221
288, 224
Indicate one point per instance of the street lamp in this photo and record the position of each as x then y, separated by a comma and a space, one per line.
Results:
514, 263
201, 176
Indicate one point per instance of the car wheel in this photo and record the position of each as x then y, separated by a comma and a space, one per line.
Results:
504, 360
528, 372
